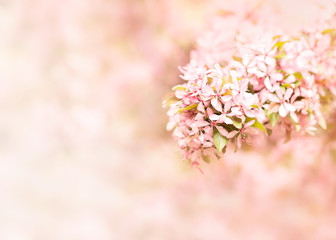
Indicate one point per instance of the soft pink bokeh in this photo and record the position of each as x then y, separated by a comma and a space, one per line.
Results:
84, 153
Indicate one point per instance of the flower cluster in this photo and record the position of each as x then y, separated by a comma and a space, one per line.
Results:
279, 82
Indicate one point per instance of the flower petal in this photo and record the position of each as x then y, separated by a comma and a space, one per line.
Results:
289, 107
294, 117
288, 93
200, 107
216, 104
273, 107
239, 141
214, 117
222, 131
273, 98
282, 111
232, 134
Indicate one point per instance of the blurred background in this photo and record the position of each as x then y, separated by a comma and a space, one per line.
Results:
84, 154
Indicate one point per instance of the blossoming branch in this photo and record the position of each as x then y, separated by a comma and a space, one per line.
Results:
277, 82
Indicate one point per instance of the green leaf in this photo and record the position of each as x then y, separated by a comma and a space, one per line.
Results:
238, 59
206, 158
277, 36
279, 44
297, 83
322, 123
280, 55
179, 87
170, 101
257, 124
237, 124
187, 108
298, 75
219, 140
329, 31
273, 117
269, 131
255, 106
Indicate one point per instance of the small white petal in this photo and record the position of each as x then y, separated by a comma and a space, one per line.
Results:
282, 111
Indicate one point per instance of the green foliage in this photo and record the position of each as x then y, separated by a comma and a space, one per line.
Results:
257, 124
279, 44
206, 158
169, 101
219, 140
188, 108
273, 117
179, 87
238, 59
298, 75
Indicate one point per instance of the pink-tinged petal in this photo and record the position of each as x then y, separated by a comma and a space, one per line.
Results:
236, 111
201, 123
273, 107
170, 126
290, 79
216, 104
250, 123
228, 121
250, 99
294, 117
282, 111
222, 118
268, 84
200, 107
199, 116
249, 113
289, 107
206, 103
227, 106
244, 84
227, 86
239, 141
279, 93
251, 131
180, 94
270, 61
232, 134
263, 95
273, 98
222, 131
276, 76
214, 117
208, 91
226, 98
194, 129
201, 138
209, 111
210, 153
197, 142
252, 70
262, 66
299, 104
218, 69
208, 132
288, 93
207, 144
